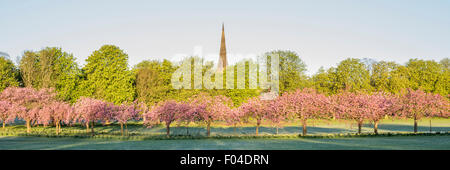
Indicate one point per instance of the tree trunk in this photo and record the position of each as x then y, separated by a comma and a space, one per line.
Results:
277, 130
234, 128
257, 128
304, 130
415, 125
92, 128
359, 126
208, 129
430, 126
28, 122
4, 124
126, 129
168, 130
87, 127
375, 127
57, 127
121, 128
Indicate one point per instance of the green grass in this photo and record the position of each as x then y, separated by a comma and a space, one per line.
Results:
365, 143
315, 127
394, 134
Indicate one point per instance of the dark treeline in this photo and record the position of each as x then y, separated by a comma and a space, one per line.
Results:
107, 76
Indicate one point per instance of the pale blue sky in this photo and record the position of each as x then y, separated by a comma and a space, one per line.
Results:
323, 32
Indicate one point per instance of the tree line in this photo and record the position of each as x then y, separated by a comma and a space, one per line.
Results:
40, 107
107, 76
51, 75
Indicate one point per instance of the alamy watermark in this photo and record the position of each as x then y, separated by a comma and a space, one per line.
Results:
263, 73
4, 54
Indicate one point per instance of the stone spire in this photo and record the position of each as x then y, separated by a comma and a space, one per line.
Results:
223, 51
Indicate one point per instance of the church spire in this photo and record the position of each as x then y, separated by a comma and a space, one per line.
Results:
223, 51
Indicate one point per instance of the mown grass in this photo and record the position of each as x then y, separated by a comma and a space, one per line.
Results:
360, 143
293, 127
316, 129
322, 134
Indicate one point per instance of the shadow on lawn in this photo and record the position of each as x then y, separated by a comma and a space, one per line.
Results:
297, 130
384, 143
248, 130
423, 128
139, 129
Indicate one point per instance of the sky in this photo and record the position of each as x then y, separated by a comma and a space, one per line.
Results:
322, 32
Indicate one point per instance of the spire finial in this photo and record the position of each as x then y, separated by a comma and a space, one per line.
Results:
223, 50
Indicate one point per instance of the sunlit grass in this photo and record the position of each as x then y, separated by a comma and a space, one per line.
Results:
365, 143
322, 134
316, 128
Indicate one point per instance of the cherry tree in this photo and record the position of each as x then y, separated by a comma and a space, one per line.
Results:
190, 116
125, 113
6, 112
352, 106
28, 102
234, 117
255, 108
378, 106
418, 104
261, 109
55, 112
168, 112
304, 104
90, 110
440, 106
71, 117
360, 107
210, 108
276, 112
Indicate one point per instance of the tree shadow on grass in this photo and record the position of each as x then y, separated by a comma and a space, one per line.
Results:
181, 130
410, 128
139, 129
384, 143
297, 130
400, 142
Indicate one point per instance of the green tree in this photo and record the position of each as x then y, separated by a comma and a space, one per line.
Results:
51, 67
153, 81
9, 74
424, 75
352, 75
106, 76
163, 72
381, 75
324, 81
443, 84
445, 63
399, 79
59, 70
292, 70
29, 69
239, 95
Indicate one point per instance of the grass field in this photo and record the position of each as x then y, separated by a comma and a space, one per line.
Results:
378, 143
316, 127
